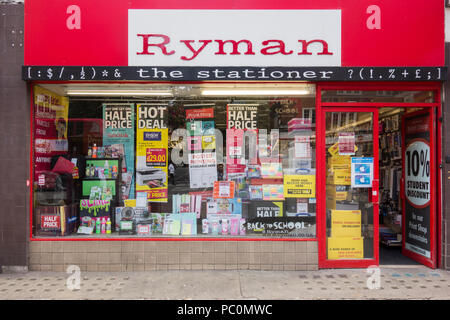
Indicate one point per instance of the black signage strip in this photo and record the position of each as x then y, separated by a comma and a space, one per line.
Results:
313, 74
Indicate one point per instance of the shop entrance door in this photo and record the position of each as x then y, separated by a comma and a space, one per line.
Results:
418, 192
350, 159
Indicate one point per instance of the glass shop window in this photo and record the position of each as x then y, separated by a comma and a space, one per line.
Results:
174, 161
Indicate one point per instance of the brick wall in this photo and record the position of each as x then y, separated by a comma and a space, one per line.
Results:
14, 139
173, 255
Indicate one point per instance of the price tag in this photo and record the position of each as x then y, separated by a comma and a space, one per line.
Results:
156, 157
41, 180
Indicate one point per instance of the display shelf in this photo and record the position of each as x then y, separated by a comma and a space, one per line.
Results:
88, 180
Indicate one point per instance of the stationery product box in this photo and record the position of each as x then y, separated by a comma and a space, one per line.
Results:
345, 223
127, 227
346, 206
299, 163
339, 248
340, 177
300, 150
339, 163
95, 208
338, 159
299, 124
337, 192
55, 220
144, 229
337, 195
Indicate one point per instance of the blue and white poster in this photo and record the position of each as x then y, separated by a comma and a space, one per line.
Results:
362, 172
118, 135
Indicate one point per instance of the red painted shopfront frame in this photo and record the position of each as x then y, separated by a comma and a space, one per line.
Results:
320, 164
322, 107
321, 154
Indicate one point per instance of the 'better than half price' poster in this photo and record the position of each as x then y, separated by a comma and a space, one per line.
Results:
151, 151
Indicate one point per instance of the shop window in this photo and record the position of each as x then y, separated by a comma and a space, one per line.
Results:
177, 161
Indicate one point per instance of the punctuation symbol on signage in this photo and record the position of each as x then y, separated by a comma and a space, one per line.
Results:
416, 161
74, 20
374, 20
391, 74
61, 72
350, 73
361, 73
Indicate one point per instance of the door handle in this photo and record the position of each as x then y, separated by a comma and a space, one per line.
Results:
374, 194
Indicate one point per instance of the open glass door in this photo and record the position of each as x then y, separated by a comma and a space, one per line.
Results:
418, 191
350, 238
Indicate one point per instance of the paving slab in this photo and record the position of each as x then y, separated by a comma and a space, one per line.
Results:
394, 283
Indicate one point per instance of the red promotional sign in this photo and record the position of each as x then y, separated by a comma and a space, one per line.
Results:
156, 157
95, 33
50, 222
199, 113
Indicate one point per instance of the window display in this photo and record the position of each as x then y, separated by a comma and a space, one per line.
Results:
175, 165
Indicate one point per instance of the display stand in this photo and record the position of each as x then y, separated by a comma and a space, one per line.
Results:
53, 213
98, 185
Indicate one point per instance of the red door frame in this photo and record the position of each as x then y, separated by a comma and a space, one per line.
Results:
431, 262
321, 154
435, 87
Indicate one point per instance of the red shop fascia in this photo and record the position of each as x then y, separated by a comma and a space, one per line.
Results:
340, 45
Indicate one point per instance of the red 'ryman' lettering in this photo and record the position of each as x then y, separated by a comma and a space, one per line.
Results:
161, 45
267, 47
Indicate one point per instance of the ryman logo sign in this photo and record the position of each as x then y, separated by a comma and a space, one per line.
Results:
234, 37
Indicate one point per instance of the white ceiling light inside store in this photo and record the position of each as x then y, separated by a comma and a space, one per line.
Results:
265, 92
118, 93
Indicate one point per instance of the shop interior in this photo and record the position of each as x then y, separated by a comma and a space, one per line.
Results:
346, 201
390, 173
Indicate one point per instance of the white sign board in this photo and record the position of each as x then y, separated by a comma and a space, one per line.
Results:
234, 37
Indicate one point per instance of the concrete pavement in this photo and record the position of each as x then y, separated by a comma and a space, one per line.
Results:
395, 283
